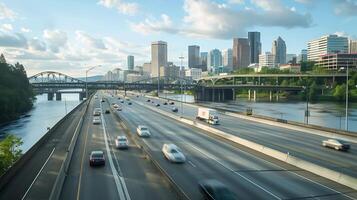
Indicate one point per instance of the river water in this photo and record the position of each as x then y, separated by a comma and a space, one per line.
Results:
326, 114
44, 114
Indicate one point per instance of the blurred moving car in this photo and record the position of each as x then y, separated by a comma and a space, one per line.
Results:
129, 103
157, 105
107, 111
97, 112
165, 103
143, 131
172, 103
96, 120
121, 142
115, 106
148, 100
102, 100
215, 190
122, 101
336, 144
174, 109
173, 153
119, 109
96, 158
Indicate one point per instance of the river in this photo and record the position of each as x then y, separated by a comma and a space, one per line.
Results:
326, 114
44, 114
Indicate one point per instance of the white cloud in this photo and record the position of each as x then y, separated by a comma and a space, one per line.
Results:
55, 39
6, 13
25, 30
345, 7
12, 40
7, 27
36, 44
205, 18
89, 41
236, 1
127, 8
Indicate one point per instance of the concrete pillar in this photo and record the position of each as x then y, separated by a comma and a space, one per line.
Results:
254, 95
277, 95
270, 95
249, 95
213, 95
234, 94
223, 95
50, 96
58, 96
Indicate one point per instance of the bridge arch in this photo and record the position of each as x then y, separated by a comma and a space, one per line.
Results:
53, 77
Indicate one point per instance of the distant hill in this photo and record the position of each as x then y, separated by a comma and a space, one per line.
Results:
91, 78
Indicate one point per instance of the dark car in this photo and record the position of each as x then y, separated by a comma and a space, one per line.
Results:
129, 103
172, 103
215, 190
96, 158
157, 105
119, 98
148, 100
107, 111
174, 109
165, 103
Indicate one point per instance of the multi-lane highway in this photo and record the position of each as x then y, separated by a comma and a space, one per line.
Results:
249, 174
301, 144
127, 174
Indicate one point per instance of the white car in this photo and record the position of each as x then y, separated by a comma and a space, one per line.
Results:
121, 142
97, 112
143, 131
115, 106
96, 120
173, 153
336, 144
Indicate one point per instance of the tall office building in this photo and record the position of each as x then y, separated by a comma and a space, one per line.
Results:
193, 56
302, 56
255, 46
352, 46
328, 44
267, 60
158, 57
241, 53
203, 61
228, 59
279, 50
130, 62
291, 58
214, 59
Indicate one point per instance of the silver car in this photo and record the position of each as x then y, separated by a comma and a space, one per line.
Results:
143, 131
336, 144
96, 120
121, 142
173, 153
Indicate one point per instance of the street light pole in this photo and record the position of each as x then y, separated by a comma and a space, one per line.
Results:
181, 75
87, 76
346, 121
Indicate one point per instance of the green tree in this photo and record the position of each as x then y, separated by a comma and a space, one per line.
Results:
2, 59
307, 66
9, 152
340, 92
313, 90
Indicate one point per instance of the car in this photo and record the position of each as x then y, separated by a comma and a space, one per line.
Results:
112, 104
119, 109
214, 190
129, 103
121, 142
122, 101
152, 102
107, 111
336, 144
97, 112
157, 105
115, 106
143, 131
119, 98
173, 153
137, 96
172, 103
102, 100
96, 120
96, 158
165, 103
174, 109
95, 96
148, 100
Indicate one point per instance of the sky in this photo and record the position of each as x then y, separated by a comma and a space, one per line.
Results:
69, 36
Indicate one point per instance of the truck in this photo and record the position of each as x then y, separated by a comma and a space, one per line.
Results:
208, 115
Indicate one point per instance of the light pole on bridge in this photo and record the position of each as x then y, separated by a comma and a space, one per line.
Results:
181, 75
87, 76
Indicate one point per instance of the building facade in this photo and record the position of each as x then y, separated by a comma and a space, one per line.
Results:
255, 46
193, 73
228, 59
302, 56
279, 51
291, 58
267, 60
337, 61
158, 57
328, 44
241, 53
170, 70
130, 62
214, 59
193, 56
352, 46
203, 61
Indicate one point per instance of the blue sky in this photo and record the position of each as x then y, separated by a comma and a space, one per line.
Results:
69, 36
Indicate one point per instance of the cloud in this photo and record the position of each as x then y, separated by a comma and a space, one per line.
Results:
12, 40
122, 6
236, 1
25, 30
89, 41
55, 39
345, 7
6, 13
36, 44
7, 27
205, 18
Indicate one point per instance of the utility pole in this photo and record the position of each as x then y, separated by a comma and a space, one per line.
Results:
346, 121
181, 75
87, 76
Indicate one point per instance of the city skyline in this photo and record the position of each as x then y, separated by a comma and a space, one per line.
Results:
72, 39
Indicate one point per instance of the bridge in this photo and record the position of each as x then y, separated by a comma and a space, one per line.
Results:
53, 83
252, 157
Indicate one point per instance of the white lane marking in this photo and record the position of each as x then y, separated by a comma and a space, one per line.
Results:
120, 184
43, 166
191, 163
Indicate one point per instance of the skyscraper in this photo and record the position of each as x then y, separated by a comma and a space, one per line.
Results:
214, 59
303, 56
228, 59
203, 61
328, 44
130, 62
241, 53
255, 46
279, 50
193, 56
352, 46
158, 57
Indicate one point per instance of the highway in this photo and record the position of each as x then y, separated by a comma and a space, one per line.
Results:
298, 143
249, 174
127, 174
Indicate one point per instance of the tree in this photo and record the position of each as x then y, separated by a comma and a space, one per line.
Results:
313, 91
307, 66
2, 59
340, 92
9, 152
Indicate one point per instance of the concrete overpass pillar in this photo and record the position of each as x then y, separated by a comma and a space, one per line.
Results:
270, 95
277, 95
50, 96
254, 95
249, 95
213, 95
58, 96
234, 94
